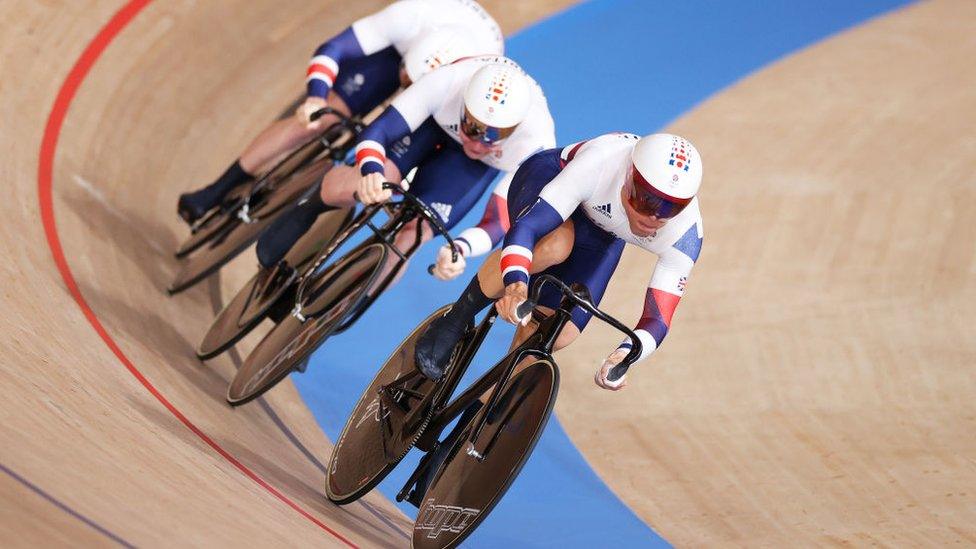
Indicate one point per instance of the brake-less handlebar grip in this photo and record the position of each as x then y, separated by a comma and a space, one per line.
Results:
525, 308
319, 113
618, 371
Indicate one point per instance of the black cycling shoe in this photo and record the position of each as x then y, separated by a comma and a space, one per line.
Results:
434, 348
191, 208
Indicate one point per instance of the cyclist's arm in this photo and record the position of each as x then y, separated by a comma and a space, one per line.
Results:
407, 112
484, 236
393, 25
664, 292
557, 201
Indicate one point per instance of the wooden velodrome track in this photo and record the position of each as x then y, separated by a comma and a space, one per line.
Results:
818, 388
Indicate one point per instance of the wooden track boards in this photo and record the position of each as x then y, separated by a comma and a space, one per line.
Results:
818, 387
177, 94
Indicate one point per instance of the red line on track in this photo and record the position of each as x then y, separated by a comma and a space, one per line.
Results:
49, 144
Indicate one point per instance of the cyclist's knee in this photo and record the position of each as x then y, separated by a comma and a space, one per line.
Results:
568, 335
407, 236
338, 185
554, 248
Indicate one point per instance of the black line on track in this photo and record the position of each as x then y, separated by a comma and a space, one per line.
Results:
216, 305
59, 504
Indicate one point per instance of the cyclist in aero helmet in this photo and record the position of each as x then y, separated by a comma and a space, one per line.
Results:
431, 126
574, 208
356, 71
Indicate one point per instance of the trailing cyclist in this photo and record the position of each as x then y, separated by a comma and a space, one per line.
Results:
354, 72
574, 209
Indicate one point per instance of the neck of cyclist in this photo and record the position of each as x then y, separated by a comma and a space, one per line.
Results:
476, 150
640, 224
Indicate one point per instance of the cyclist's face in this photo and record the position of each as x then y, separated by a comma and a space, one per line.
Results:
640, 224
474, 149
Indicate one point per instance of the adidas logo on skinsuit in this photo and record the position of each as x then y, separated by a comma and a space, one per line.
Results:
443, 210
604, 209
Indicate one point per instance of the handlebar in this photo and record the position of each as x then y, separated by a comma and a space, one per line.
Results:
526, 307
425, 212
329, 110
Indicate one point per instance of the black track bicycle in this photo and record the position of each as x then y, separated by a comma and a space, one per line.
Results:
330, 295
500, 418
230, 228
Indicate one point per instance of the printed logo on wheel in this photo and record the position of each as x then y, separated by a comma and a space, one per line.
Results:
444, 518
373, 410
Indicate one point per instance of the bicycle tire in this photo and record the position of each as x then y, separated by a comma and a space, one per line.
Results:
246, 310
464, 490
292, 340
352, 446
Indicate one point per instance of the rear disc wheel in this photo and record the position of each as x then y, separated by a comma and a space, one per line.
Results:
292, 340
387, 421
466, 488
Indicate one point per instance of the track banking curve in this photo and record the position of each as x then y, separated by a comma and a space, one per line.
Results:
49, 144
372, 524
836, 408
690, 431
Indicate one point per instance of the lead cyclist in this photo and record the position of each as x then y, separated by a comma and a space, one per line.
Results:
575, 208
354, 72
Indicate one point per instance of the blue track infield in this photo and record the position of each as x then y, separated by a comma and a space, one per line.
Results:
611, 65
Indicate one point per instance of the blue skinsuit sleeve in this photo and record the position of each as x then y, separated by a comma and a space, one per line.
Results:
388, 128
540, 220
342, 47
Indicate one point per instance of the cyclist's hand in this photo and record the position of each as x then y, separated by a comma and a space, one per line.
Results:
305, 111
371, 191
601, 375
515, 294
445, 268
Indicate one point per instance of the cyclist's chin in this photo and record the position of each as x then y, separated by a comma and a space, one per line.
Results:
476, 151
644, 227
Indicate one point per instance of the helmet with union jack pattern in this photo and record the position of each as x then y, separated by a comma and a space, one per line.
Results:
496, 100
667, 172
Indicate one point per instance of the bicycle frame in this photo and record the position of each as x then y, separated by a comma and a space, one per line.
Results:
539, 344
333, 142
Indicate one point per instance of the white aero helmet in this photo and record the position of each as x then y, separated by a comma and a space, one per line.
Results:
438, 47
667, 173
496, 101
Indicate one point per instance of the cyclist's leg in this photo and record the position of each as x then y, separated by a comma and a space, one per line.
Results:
551, 249
434, 347
284, 136
592, 262
337, 191
362, 85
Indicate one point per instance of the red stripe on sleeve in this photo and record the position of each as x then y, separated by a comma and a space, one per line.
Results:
666, 303
316, 67
515, 260
362, 154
